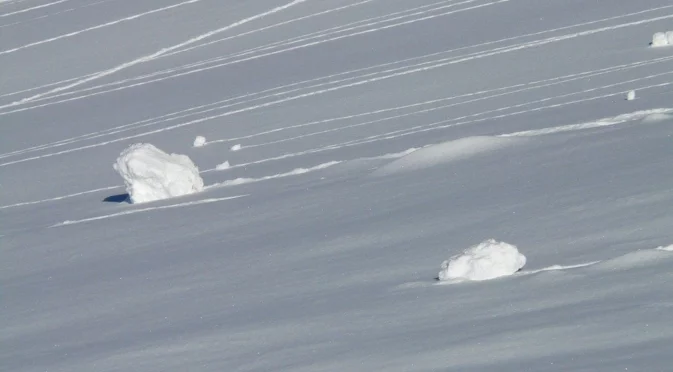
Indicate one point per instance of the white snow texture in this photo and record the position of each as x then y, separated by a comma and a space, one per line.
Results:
661, 39
199, 141
631, 95
151, 174
488, 260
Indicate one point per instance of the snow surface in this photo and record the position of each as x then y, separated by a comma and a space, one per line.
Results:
151, 174
376, 135
236, 147
489, 259
223, 166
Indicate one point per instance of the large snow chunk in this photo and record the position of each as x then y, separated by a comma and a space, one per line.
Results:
199, 141
151, 174
659, 39
488, 260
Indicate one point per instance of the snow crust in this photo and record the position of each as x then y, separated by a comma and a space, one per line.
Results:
199, 141
236, 147
489, 259
151, 174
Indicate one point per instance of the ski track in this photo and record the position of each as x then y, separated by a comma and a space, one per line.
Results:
254, 57
49, 95
32, 8
60, 197
54, 14
175, 116
323, 34
142, 210
97, 27
152, 56
423, 68
413, 128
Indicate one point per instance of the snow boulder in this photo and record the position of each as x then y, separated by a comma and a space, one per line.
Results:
659, 39
488, 260
199, 141
151, 174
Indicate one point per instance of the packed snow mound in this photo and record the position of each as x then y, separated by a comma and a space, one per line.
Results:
445, 152
223, 166
661, 39
151, 174
631, 95
668, 248
236, 147
488, 260
199, 141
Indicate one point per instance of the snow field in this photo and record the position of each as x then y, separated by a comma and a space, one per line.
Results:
489, 259
151, 174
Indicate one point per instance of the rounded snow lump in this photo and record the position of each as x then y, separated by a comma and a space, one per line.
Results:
487, 260
659, 39
151, 174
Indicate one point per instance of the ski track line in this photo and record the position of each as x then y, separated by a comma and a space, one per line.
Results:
59, 197
55, 14
134, 211
317, 79
437, 126
502, 50
609, 121
189, 72
527, 87
414, 58
214, 60
199, 70
227, 114
456, 121
165, 117
32, 8
152, 56
327, 32
294, 172
107, 24
269, 27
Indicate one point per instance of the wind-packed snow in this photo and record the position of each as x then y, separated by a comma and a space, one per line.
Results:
151, 174
199, 141
489, 259
376, 138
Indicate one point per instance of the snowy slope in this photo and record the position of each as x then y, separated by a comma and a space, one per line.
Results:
368, 141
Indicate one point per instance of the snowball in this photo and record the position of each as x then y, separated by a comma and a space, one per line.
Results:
488, 260
659, 39
631, 95
223, 166
199, 141
151, 174
236, 147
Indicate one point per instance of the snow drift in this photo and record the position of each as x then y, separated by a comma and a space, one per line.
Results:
488, 260
151, 174
445, 152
